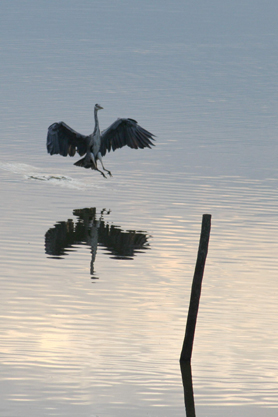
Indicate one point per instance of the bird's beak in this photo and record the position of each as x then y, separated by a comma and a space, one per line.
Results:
100, 107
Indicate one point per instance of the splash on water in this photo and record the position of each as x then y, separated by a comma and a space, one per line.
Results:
30, 172
60, 180
17, 168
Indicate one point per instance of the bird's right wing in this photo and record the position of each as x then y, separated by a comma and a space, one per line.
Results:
125, 132
63, 140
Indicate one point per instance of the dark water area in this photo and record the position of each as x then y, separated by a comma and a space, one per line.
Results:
96, 273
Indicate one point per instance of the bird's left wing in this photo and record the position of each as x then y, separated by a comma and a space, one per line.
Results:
63, 140
125, 132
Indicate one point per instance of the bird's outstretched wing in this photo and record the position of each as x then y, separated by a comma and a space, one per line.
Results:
125, 132
63, 140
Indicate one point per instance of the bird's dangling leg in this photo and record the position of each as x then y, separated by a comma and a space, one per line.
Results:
95, 165
102, 173
100, 158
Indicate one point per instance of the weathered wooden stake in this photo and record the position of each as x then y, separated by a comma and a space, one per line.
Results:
188, 389
186, 352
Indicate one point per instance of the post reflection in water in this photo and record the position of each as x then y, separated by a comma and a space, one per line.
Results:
92, 230
188, 388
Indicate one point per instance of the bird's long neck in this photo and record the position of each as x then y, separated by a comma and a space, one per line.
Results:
96, 121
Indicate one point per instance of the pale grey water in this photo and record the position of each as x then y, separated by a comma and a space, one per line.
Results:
204, 80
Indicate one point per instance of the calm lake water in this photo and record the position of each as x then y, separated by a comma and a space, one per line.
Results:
96, 274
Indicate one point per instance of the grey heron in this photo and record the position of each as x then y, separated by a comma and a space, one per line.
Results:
63, 140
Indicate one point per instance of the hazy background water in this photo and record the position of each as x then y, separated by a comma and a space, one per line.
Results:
203, 78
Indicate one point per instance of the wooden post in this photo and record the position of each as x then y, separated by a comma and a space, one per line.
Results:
186, 352
188, 389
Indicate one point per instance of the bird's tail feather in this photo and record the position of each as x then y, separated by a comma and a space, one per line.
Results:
85, 163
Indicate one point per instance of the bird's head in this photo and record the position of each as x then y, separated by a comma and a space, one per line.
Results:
98, 107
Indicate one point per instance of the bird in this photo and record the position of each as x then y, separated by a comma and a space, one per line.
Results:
63, 140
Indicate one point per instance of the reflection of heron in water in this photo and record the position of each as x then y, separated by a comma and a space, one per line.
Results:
92, 231
63, 140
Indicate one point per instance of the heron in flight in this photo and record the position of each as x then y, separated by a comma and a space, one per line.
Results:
63, 140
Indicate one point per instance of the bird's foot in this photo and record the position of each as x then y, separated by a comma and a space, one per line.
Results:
108, 172
102, 173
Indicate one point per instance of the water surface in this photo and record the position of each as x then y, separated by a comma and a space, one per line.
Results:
96, 274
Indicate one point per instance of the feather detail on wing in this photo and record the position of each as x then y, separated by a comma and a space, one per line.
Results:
63, 140
125, 132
